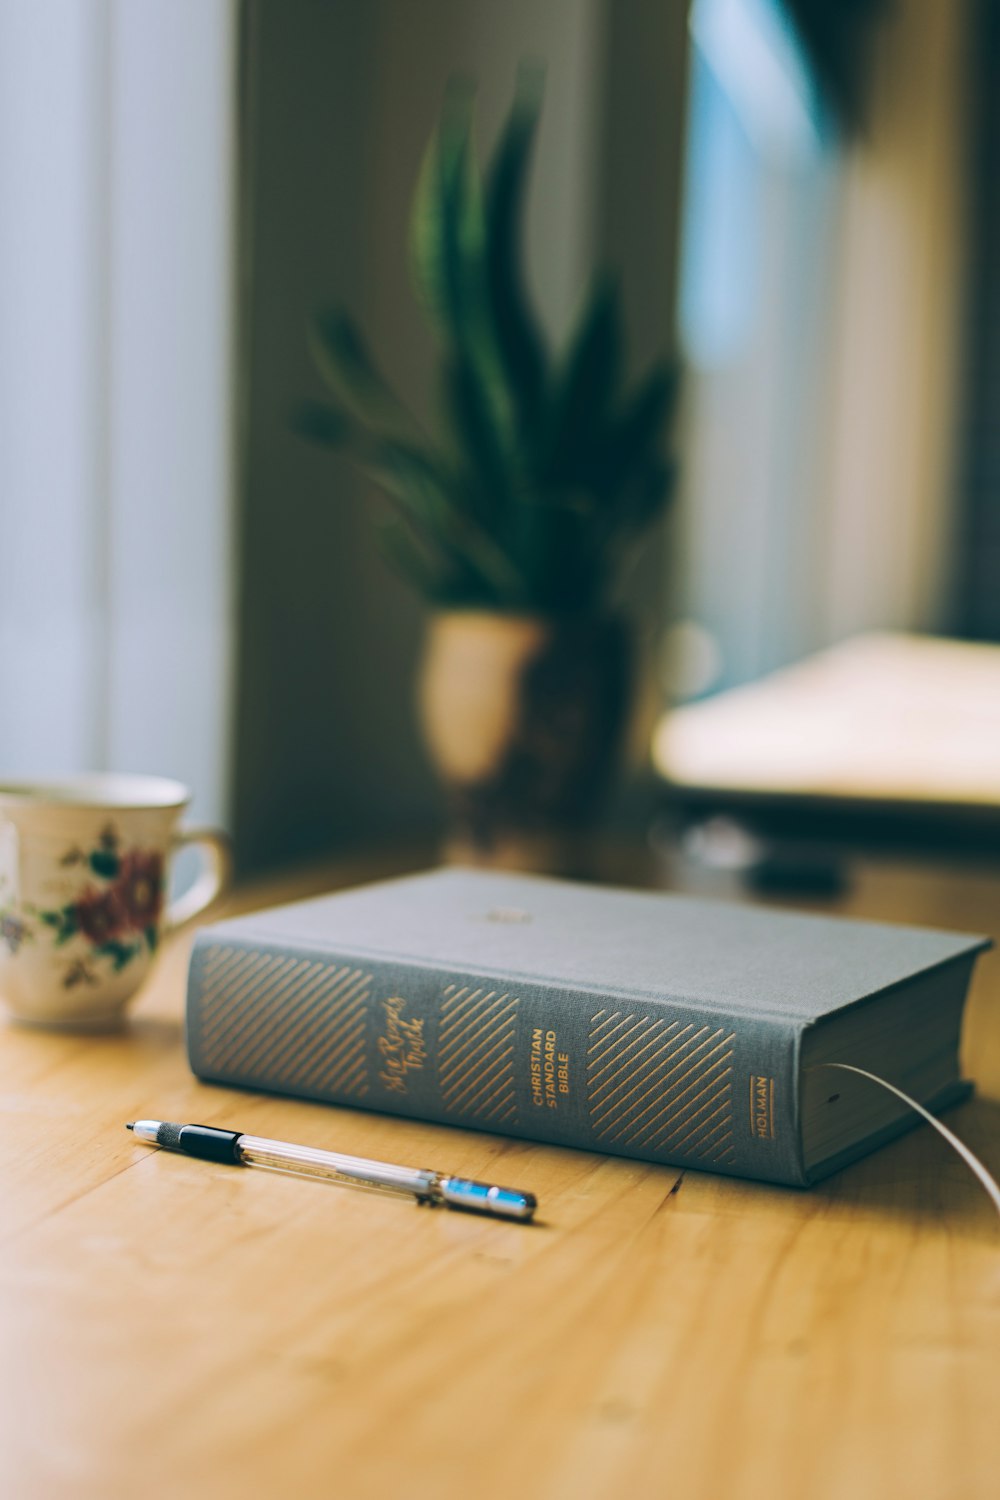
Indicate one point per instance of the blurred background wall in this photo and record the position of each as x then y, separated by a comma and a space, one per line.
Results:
340, 101
801, 201
118, 186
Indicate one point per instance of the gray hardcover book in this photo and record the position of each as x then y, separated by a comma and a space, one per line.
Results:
662, 1027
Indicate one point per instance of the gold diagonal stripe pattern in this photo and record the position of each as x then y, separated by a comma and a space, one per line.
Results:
303, 983
475, 1014
290, 995
343, 1033
713, 1140
476, 1005
227, 983
679, 1108
657, 1083
598, 1026
666, 1046
615, 1030
670, 1102
702, 1127
278, 1022
339, 1071
345, 1040
503, 1082
219, 963
600, 1091
458, 1062
218, 960
278, 1007
233, 1014
308, 1032
659, 1087
485, 1088
455, 1052
272, 1027
652, 1084
642, 1026
456, 1003
239, 989
665, 1135
726, 1151
480, 1010
328, 1075
612, 1075
476, 1053
488, 1064
455, 996
339, 1053
694, 1067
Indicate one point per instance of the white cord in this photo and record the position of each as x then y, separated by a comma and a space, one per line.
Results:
972, 1161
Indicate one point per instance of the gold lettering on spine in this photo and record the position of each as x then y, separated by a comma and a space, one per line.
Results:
401, 1046
548, 1069
761, 1107
535, 1068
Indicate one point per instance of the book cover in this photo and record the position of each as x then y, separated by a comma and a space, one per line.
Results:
663, 1027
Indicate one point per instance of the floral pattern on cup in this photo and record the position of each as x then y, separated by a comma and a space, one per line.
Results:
13, 931
117, 912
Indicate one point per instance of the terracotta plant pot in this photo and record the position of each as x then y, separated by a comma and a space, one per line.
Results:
524, 717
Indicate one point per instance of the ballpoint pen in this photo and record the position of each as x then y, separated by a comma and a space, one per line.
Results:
233, 1148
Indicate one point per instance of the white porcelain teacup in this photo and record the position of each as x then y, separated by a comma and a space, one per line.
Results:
84, 865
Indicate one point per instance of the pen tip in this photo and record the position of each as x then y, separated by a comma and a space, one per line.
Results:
129, 1124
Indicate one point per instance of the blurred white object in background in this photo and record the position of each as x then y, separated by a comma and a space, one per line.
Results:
884, 717
117, 151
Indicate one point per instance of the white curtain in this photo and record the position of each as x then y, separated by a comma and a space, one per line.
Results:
117, 155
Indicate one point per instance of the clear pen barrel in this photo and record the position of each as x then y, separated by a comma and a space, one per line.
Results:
258, 1151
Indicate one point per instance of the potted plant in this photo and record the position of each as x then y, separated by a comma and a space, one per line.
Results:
516, 519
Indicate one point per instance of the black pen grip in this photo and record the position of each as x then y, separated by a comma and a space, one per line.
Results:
203, 1141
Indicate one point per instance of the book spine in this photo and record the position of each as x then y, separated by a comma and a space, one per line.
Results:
624, 1074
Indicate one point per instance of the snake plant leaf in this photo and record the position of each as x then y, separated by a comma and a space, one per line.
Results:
410, 557
478, 436
446, 221
541, 477
461, 245
650, 406
409, 479
646, 496
342, 358
587, 387
519, 339
437, 503
555, 536
637, 434
447, 236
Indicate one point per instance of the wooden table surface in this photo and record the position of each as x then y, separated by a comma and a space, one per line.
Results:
172, 1328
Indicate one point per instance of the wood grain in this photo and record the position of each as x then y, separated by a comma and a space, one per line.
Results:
168, 1327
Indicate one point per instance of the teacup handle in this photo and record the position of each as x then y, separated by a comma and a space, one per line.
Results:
211, 883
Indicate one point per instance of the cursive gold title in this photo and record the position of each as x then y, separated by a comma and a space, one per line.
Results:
401, 1046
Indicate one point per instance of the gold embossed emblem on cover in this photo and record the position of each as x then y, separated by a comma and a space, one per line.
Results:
658, 1085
